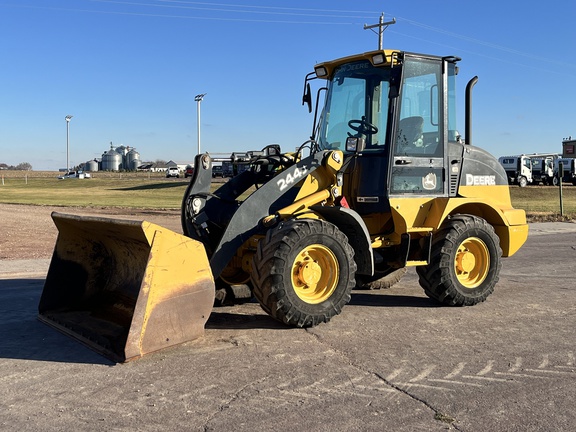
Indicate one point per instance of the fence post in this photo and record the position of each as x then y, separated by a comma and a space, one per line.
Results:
560, 175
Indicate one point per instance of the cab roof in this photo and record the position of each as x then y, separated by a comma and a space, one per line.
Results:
377, 58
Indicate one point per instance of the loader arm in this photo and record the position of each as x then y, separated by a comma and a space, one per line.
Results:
224, 224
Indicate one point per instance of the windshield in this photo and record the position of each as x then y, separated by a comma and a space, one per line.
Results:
356, 105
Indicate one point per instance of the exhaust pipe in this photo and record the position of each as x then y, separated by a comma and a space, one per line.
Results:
468, 131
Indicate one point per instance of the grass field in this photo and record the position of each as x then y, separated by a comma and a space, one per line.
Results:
153, 190
543, 202
103, 190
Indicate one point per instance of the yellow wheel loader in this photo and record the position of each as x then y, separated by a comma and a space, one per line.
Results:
385, 182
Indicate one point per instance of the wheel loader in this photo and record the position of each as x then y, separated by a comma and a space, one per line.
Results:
384, 183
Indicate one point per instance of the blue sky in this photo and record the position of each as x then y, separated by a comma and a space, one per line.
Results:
128, 71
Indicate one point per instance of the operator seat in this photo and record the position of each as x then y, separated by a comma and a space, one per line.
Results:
410, 132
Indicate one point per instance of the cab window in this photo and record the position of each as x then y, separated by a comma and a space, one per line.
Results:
420, 110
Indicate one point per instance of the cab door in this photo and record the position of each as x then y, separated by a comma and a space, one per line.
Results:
418, 159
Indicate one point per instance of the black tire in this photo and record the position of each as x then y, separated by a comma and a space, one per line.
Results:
424, 283
381, 280
233, 287
230, 295
522, 181
303, 272
465, 262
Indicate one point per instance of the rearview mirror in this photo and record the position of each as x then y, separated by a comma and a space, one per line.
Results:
355, 144
307, 97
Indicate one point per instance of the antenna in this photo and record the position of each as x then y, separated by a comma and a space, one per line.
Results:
381, 27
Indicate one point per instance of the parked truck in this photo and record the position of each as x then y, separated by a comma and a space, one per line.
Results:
568, 169
530, 169
543, 170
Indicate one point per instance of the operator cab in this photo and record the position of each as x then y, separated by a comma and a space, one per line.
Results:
392, 114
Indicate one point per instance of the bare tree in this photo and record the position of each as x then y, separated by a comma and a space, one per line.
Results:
24, 166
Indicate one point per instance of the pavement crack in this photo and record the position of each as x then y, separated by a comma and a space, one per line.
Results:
438, 415
226, 404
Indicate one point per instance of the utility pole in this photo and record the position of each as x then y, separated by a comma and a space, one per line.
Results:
68, 118
381, 27
198, 99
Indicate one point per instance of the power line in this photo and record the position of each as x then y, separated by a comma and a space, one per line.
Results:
536, 66
281, 11
324, 13
191, 17
474, 40
371, 13
219, 7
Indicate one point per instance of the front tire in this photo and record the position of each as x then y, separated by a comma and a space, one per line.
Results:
522, 181
465, 262
303, 272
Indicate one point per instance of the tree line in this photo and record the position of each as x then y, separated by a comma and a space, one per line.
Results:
24, 166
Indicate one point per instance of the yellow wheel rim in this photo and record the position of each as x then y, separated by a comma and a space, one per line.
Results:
472, 262
315, 274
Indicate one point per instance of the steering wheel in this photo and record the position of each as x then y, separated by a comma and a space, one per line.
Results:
363, 127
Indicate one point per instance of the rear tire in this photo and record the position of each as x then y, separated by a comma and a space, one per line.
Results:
230, 295
465, 262
303, 272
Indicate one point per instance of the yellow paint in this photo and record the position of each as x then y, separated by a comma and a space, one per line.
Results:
316, 188
315, 274
492, 203
331, 65
155, 286
472, 262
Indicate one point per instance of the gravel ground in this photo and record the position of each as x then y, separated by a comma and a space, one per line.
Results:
27, 231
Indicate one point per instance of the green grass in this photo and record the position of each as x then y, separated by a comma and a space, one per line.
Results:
543, 202
143, 190
128, 192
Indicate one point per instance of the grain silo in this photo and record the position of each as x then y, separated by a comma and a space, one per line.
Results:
132, 160
91, 165
111, 160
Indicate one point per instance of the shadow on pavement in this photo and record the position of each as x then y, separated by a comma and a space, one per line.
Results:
380, 299
26, 338
231, 321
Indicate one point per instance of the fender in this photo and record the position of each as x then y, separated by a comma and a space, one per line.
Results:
353, 226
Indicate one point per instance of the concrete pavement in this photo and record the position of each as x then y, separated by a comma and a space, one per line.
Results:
393, 360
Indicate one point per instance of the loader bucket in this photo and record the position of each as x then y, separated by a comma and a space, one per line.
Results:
126, 288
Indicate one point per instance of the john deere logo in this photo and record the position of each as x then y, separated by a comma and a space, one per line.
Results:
480, 180
429, 182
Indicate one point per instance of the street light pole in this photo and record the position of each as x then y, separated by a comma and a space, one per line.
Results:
198, 99
68, 117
